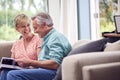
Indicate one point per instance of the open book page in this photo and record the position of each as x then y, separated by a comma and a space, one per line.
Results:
9, 63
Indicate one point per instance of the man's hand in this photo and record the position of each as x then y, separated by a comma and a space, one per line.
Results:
23, 62
48, 64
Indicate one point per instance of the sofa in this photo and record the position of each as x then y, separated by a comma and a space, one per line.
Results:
5, 47
97, 65
100, 65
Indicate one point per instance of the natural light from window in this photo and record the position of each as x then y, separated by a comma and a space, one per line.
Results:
10, 8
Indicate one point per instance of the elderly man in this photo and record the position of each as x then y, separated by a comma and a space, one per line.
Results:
54, 48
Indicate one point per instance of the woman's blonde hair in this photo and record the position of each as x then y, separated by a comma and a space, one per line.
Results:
21, 19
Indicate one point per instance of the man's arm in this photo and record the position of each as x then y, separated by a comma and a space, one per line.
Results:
49, 64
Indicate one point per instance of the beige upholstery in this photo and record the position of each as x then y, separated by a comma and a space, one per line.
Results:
73, 66
102, 65
5, 47
108, 71
113, 46
80, 43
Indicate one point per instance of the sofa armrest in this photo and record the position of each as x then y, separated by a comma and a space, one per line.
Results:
72, 65
109, 71
5, 48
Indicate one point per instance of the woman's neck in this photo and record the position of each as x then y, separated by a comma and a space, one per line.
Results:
28, 38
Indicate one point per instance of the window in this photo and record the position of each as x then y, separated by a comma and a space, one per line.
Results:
10, 8
108, 8
101, 14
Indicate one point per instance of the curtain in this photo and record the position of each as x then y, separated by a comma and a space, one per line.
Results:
68, 19
64, 13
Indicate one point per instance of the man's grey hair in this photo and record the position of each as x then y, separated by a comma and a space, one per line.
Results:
43, 18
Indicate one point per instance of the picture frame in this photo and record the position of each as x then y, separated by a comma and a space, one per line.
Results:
117, 23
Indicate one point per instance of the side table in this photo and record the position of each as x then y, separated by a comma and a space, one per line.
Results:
111, 36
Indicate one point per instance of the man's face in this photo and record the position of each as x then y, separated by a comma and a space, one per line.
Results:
36, 26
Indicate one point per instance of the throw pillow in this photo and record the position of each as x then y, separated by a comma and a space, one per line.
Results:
113, 46
93, 46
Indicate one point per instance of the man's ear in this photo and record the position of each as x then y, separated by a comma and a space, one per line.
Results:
44, 24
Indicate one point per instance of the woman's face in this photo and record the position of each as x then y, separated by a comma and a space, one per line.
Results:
24, 29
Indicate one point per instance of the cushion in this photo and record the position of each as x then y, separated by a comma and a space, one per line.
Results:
80, 43
113, 46
93, 46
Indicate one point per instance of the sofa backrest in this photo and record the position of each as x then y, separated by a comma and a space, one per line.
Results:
80, 43
5, 48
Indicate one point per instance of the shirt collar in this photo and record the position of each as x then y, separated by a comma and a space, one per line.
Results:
49, 33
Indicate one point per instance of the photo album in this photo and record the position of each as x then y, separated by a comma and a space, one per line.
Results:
9, 63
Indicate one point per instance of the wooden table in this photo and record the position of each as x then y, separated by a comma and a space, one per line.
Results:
112, 36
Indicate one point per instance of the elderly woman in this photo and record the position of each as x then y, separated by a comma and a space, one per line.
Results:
28, 46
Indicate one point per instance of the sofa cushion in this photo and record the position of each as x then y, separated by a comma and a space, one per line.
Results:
5, 48
93, 46
113, 46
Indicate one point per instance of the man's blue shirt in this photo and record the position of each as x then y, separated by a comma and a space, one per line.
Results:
55, 47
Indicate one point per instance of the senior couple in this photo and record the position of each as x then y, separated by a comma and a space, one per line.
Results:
42, 54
